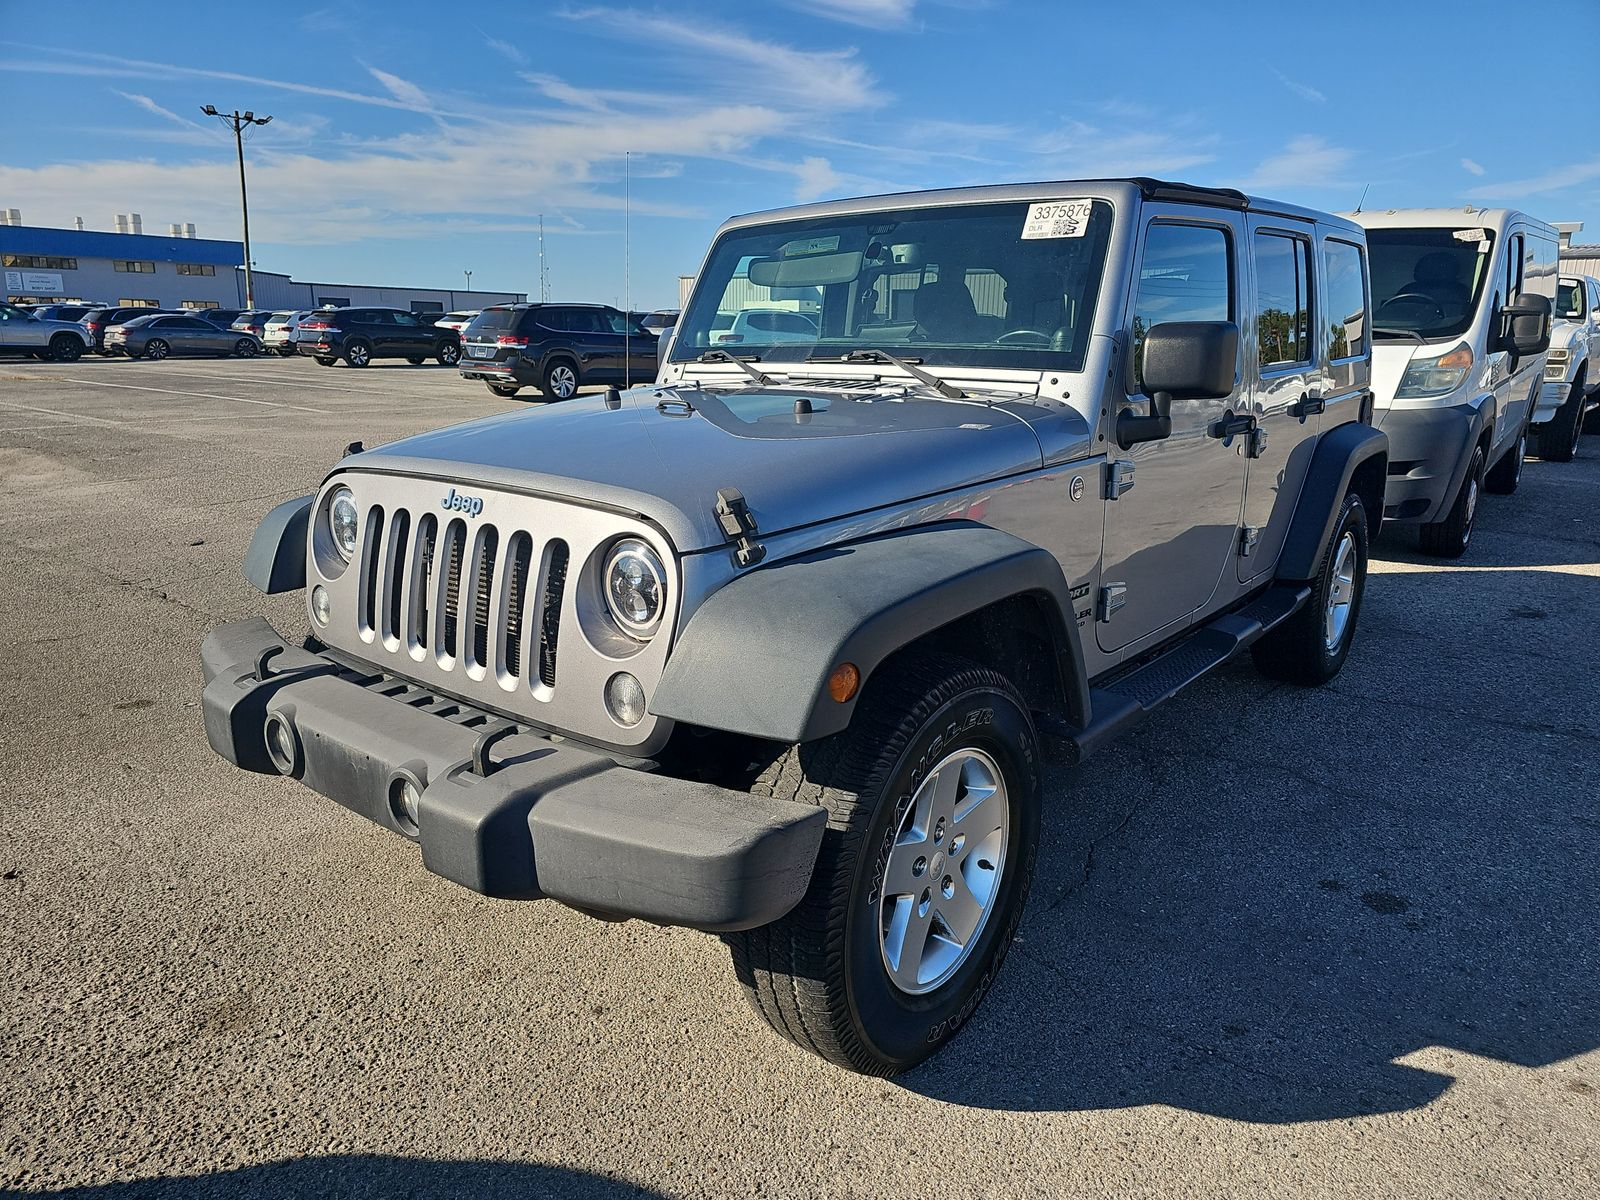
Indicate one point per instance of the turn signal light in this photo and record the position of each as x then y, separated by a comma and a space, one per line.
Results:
844, 682
1457, 359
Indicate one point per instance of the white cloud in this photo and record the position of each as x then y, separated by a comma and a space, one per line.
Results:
1307, 161
151, 106
815, 178
875, 14
506, 50
403, 90
1554, 180
1304, 90
1471, 167
1079, 149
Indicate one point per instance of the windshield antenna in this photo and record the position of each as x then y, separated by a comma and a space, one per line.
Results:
1363, 199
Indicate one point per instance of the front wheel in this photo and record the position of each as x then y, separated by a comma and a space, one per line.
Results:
1558, 437
156, 349
65, 348
1449, 538
1505, 475
1311, 646
933, 797
449, 354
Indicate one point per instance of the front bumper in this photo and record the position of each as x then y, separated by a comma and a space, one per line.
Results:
525, 818
1553, 393
1429, 449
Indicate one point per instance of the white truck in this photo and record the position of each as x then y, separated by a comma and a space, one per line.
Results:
1571, 386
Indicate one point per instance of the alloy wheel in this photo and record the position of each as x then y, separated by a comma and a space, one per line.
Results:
1341, 593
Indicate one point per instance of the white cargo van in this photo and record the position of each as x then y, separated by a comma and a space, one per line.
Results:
1461, 311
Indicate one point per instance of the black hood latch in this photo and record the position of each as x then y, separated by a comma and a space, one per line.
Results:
739, 527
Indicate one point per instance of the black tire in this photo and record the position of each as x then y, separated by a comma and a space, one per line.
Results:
244, 348
65, 348
156, 349
504, 390
325, 362
286, 351
819, 975
1558, 437
1449, 537
449, 354
416, 361
357, 353
1505, 475
1304, 649
560, 379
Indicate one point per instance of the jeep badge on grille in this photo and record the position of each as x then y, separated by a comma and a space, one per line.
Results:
461, 502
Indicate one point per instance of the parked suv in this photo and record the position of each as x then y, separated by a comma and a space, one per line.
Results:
1571, 386
359, 335
1058, 451
97, 320
1461, 308
556, 348
27, 333
277, 331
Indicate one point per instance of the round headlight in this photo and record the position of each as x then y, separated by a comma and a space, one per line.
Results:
636, 588
342, 521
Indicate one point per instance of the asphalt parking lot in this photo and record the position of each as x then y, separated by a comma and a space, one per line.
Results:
1336, 942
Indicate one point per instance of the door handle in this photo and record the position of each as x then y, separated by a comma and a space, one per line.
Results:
1310, 404
1231, 424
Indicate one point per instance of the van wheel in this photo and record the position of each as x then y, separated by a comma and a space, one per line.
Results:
358, 353
1504, 476
1311, 646
560, 380
933, 802
504, 390
1450, 537
64, 348
1558, 437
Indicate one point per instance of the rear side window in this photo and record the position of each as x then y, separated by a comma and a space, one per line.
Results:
558, 319
1344, 281
1283, 300
493, 320
1186, 275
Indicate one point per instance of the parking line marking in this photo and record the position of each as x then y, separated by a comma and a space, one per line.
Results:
201, 395
326, 387
55, 412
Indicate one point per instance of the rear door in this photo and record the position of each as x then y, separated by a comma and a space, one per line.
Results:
1288, 388
413, 338
600, 332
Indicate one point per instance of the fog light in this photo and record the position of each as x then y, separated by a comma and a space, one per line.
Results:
321, 605
405, 799
283, 748
625, 699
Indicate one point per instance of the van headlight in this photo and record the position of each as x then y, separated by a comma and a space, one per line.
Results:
636, 588
342, 521
1435, 376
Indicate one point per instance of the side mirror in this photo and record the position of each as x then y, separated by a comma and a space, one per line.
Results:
1525, 325
1183, 360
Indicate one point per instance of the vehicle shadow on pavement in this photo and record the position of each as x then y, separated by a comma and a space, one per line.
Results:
1280, 904
365, 1175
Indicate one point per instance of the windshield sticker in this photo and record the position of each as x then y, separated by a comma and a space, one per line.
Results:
821, 245
1057, 219
1471, 235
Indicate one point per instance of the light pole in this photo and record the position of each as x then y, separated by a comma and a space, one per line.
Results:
237, 121
468, 274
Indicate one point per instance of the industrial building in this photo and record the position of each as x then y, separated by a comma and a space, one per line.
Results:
179, 270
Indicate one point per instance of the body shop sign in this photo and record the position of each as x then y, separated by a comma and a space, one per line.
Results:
33, 283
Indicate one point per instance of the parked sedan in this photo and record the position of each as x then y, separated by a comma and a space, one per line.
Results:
98, 320
158, 336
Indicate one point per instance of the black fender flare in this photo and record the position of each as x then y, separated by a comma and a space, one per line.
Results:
1341, 454
755, 657
276, 559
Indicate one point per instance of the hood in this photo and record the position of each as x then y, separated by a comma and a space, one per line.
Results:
1562, 333
55, 326
664, 452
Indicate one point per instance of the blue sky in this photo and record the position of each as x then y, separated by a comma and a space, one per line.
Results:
413, 141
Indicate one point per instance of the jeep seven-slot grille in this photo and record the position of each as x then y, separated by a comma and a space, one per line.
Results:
466, 596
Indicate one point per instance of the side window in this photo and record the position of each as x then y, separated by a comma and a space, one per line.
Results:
405, 318
1342, 271
1186, 275
1283, 300
554, 318
586, 320
1513, 283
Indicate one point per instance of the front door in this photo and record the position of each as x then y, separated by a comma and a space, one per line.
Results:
12, 321
1290, 384
412, 336
1171, 535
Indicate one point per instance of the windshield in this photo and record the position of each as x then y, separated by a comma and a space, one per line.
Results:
1427, 282
965, 286
1569, 300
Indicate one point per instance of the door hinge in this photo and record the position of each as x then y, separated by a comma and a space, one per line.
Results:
1256, 443
1249, 538
1112, 597
739, 527
1119, 477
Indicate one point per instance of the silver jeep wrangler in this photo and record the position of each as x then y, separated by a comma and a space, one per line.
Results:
768, 648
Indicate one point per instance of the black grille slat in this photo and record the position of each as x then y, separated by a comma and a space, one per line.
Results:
516, 590
428, 533
550, 619
372, 567
452, 590
482, 595
397, 574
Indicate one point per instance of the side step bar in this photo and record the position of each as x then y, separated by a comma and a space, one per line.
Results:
1126, 699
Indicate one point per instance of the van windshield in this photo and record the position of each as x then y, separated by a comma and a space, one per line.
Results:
1427, 282
975, 285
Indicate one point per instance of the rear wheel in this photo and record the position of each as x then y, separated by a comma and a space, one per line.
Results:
1504, 476
560, 379
1449, 538
157, 349
244, 348
358, 353
1558, 437
325, 362
506, 390
65, 348
1311, 646
286, 351
933, 798
449, 354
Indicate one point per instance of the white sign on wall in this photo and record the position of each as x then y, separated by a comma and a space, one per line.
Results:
34, 283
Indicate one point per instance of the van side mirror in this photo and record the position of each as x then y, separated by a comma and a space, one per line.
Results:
1525, 325
1183, 360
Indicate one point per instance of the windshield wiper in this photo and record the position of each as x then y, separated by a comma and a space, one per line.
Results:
711, 356
1382, 331
909, 365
